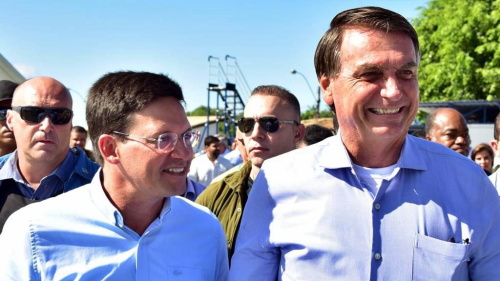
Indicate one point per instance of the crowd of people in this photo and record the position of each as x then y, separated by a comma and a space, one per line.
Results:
284, 202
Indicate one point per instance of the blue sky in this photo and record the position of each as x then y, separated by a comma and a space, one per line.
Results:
77, 42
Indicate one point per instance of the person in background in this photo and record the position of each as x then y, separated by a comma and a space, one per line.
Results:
128, 223
78, 138
494, 177
235, 156
483, 155
495, 143
314, 134
223, 144
448, 127
7, 140
242, 154
270, 127
205, 167
43, 165
372, 202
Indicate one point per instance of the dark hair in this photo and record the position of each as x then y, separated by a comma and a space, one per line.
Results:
327, 56
115, 97
483, 147
496, 132
79, 129
316, 133
211, 139
281, 93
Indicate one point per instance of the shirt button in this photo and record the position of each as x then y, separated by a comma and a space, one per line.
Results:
238, 210
377, 256
377, 206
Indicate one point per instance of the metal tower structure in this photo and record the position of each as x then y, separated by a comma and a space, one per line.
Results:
229, 102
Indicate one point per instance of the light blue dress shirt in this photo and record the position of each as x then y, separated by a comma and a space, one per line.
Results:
80, 235
193, 189
309, 217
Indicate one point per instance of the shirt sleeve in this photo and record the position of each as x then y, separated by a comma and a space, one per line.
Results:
484, 264
223, 263
255, 257
16, 258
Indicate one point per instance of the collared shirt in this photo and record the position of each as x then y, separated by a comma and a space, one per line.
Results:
309, 218
234, 157
495, 180
50, 185
203, 170
80, 235
193, 190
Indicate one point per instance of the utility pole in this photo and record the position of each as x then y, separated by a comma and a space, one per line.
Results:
316, 115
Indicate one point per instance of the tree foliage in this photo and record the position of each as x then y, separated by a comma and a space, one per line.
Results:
460, 48
200, 111
310, 113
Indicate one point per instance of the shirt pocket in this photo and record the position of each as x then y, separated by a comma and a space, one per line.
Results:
435, 259
186, 274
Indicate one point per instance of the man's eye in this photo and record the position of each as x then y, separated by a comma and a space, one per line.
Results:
406, 74
369, 74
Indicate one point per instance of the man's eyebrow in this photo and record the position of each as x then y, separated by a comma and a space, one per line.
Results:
409, 65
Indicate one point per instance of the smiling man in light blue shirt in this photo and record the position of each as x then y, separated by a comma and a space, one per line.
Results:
371, 203
128, 223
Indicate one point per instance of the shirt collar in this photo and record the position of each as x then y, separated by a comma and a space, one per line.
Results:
102, 202
11, 171
190, 191
410, 157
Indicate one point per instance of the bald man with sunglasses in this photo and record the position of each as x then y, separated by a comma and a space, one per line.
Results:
42, 166
270, 126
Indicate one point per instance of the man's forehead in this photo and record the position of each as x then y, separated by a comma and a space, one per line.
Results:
260, 104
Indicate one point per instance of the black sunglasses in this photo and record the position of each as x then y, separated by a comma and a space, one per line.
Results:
3, 113
34, 114
269, 124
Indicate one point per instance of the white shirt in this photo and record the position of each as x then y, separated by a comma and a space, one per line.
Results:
203, 170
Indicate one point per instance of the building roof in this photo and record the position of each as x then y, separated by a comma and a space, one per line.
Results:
474, 111
9, 72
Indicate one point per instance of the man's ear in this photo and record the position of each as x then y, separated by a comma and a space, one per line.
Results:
299, 135
108, 148
8, 121
326, 88
494, 145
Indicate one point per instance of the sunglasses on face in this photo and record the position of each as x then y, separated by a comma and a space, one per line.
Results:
269, 124
34, 114
3, 113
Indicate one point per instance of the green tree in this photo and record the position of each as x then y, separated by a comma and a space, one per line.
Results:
200, 111
460, 47
309, 113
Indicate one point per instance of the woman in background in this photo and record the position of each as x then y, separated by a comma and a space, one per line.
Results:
483, 155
